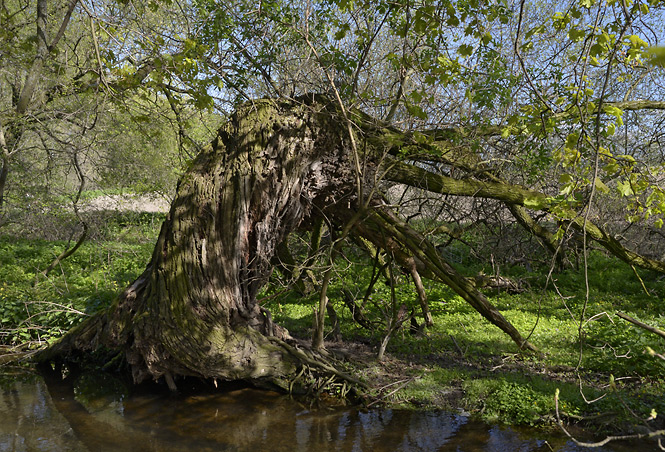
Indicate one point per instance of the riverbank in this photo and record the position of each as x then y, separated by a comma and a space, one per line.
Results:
607, 383
461, 363
512, 390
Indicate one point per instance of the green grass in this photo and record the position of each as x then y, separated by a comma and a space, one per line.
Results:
461, 351
520, 389
35, 309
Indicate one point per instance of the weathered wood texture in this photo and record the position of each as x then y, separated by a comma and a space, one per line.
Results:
194, 309
277, 166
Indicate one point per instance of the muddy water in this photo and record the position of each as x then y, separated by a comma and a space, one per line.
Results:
97, 413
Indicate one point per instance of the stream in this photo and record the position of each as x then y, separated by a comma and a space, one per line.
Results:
97, 413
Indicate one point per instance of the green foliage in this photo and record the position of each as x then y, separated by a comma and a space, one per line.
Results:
294, 314
510, 401
33, 313
516, 391
140, 156
450, 64
626, 347
35, 309
657, 56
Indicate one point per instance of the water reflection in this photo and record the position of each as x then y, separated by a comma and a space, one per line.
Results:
29, 422
93, 413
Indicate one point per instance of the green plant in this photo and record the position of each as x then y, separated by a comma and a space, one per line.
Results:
622, 348
35, 309
516, 403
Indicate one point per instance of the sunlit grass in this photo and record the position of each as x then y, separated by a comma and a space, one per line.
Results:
36, 309
461, 350
498, 380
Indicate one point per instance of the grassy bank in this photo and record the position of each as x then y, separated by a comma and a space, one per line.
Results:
36, 309
462, 362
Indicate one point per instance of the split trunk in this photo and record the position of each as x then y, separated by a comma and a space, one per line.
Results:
274, 167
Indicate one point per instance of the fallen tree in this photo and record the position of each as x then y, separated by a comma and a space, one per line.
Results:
274, 168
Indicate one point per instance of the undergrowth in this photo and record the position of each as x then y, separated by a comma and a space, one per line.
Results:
499, 382
605, 359
36, 309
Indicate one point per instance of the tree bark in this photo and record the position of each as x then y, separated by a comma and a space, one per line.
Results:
542, 234
4, 171
420, 291
274, 167
642, 325
194, 309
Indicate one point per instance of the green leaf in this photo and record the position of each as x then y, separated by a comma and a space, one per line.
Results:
596, 50
614, 111
416, 111
528, 45
575, 34
603, 38
565, 178
567, 189
637, 42
601, 187
560, 21
571, 140
465, 50
341, 33
656, 56
534, 202
535, 30
625, 188
611, 167
421, 138
420, 23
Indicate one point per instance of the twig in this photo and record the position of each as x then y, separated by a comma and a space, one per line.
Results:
459, 349
650, 328
391, 392
646, 291
654, 434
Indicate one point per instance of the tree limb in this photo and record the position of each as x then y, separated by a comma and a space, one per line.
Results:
642, 325
416, 176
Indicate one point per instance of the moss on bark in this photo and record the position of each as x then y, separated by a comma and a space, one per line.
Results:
275, 166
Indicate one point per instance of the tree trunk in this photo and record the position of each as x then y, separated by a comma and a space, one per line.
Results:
4, 169
194, 309
274, 167
420, 291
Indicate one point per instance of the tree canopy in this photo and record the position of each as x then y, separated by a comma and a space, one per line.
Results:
565, 90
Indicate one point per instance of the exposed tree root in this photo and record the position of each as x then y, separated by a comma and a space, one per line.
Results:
277, 167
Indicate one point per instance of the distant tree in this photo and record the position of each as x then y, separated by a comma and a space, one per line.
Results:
74, 116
